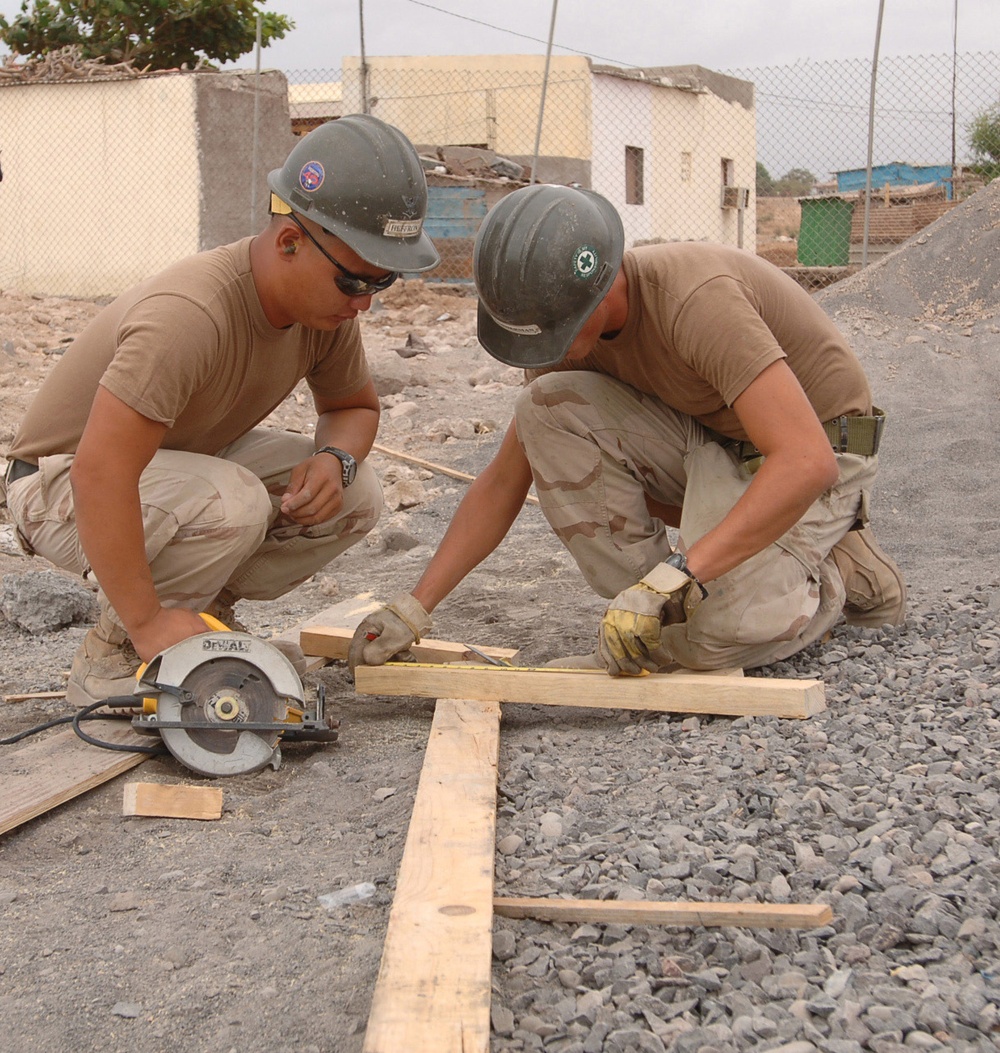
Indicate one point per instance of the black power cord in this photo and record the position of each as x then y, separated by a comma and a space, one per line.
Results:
115, 702
87, 713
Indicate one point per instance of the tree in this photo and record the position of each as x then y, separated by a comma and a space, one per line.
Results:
795, 183
162, 34
765, 184
984, 139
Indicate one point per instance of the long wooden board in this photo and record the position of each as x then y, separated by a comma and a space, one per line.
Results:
330, 641
746, 915
672, 693
59, 767
433, 988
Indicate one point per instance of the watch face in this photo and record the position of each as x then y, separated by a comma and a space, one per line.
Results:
350, 468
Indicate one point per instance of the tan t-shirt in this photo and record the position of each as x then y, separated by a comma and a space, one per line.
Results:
705, 320
192, 349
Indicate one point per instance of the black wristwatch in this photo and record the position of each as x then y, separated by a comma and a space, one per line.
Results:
348, 465
679, 560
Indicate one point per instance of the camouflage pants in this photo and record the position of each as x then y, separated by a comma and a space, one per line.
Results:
209, 522
598, 446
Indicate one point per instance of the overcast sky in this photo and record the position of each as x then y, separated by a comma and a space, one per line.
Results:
720, 34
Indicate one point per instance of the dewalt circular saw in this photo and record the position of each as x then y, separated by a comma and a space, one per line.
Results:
223, 701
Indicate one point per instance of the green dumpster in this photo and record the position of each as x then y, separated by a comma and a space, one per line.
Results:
825, 232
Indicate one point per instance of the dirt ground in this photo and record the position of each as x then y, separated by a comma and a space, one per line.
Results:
155, 935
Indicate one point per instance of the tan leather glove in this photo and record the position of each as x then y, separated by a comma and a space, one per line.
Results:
630, 629
389, 632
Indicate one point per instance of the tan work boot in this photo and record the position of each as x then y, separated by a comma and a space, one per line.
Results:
104, 666
222, 607
876, 592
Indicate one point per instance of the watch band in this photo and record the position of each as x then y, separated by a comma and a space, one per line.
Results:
679, 560
348, 465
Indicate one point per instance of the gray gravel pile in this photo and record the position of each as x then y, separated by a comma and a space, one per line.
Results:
886, 807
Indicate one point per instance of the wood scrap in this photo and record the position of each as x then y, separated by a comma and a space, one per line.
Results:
59, 767
593, 688
169, 801
622, 912
433, 988
27, 696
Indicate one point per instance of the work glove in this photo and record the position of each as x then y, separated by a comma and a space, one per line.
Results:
630, 629
389, 632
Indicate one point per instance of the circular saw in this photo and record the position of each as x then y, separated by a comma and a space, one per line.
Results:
223, 701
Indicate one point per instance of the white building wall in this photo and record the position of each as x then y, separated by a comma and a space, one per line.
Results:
622, 116
685, 135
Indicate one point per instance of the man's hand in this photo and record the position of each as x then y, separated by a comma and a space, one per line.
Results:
169, 626
315, 491
630, 629
388, 632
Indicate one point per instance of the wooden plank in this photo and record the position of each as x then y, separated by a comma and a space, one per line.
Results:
670, 693
172, 801
59, 767
620, 912
433, 988
333, 642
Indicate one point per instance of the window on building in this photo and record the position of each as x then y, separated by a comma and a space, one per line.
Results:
728, 171
634, 191
685, 166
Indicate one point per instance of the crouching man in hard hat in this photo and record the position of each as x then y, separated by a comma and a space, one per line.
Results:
687, 385
140, 461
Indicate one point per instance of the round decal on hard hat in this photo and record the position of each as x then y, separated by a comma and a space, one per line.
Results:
584, 261
311, 176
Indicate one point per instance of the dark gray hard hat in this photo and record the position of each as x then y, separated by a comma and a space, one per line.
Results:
361, 180
545, 257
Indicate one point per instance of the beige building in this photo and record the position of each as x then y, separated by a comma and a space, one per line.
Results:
107, 181
673, 147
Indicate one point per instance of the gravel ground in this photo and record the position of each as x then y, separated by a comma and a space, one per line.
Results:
154, 936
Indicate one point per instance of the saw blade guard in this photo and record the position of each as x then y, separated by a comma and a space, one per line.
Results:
213, 683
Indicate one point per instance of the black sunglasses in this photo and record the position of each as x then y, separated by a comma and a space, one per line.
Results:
348, 283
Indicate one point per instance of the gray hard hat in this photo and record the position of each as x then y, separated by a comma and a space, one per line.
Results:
361, 180
545, 257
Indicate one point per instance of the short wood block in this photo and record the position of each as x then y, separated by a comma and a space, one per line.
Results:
334, 642
172, 801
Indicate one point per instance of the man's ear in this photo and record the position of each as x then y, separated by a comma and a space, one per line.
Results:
287, 241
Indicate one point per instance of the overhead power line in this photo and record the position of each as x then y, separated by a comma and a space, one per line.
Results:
515, 33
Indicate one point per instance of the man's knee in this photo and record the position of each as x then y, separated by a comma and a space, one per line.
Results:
366, 500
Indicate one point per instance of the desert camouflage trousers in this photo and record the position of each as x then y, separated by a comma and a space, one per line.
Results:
210, 523
598, 446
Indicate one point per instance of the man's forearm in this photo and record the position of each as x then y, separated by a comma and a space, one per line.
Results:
109, 525
773, 503
352, 430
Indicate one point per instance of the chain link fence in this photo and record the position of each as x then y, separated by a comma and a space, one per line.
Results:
107, 180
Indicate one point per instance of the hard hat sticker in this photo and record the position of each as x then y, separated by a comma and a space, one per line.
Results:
584, 261
401, 228
311, 176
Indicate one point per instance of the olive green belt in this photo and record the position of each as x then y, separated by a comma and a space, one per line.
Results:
860, 435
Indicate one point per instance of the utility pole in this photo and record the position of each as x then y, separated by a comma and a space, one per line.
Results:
545, 85
364, 62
